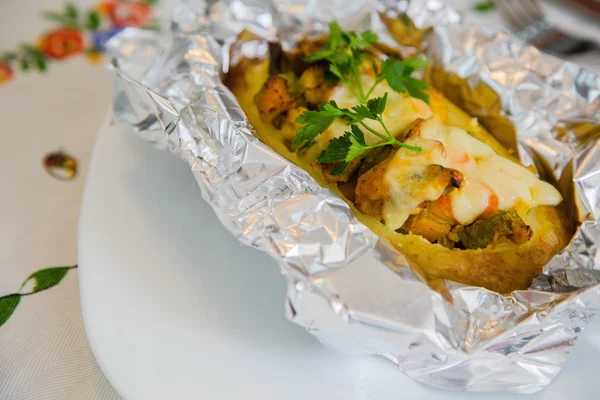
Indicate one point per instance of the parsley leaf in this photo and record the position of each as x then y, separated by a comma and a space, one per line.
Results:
373, 109
415, 64
397, 74
336, 38
363, 40
364, 111
319, 55
344, 149
340, 168
357, 143
336, 150
377, 105
416, 88
337, 44
341, 69
330, 77
316, 122
393, 72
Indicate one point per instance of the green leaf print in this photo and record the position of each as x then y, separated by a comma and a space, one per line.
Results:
8, 304
62, 19
46, 278
93, 21
71, 11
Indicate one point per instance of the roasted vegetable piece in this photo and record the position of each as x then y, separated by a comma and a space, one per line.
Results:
316, 89
447, 243
371, 190
375, 157
521, 234
427, 225
293, 85
434, 222
483, 233
274, 98
449, 176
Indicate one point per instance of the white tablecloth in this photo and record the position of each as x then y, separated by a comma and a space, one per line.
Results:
44, 353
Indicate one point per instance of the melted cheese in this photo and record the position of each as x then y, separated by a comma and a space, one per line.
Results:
485, 173
401, 112
409, 182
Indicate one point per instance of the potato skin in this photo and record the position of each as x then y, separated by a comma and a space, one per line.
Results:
506, 268
502, 269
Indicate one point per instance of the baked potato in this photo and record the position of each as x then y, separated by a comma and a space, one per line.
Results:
461, 208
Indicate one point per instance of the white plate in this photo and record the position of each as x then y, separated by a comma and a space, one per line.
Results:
175, 308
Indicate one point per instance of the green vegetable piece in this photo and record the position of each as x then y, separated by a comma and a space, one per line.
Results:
482, 233
446, 242
375, 157
71, 11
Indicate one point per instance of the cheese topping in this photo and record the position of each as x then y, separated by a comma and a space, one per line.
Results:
401, 112
485, 174
412, 180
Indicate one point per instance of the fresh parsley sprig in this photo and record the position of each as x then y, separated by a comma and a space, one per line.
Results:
344, 56
317, 122
352, 144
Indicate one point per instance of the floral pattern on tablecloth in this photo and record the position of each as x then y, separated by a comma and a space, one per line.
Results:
78, 32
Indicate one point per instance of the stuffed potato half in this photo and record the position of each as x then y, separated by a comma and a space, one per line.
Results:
459, 208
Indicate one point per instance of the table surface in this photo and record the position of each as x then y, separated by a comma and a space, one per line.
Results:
44, 352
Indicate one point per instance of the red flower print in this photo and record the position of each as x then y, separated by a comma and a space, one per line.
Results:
129, 13
6, 72
62, 43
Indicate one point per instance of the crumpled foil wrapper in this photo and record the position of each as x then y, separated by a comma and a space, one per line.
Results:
346, 286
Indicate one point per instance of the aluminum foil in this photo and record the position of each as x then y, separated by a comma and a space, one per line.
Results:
346, 286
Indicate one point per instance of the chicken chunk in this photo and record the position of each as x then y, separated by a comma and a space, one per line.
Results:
316, 89
371, 190
274, 99
434, 221
290, 126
